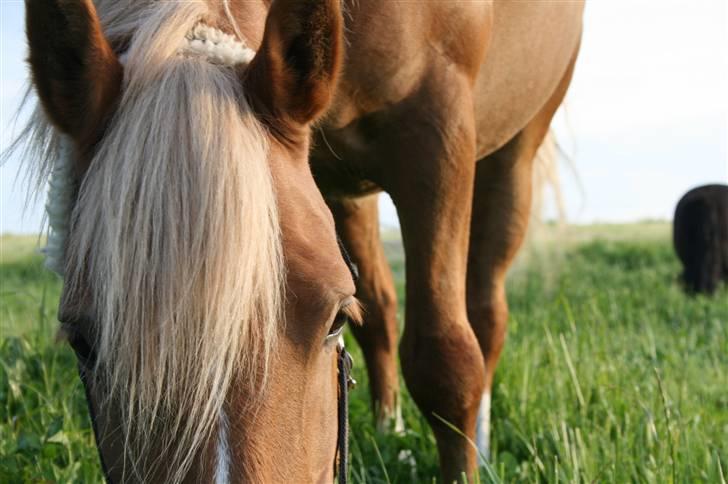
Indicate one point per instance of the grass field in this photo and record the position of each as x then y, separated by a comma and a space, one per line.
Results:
610, 374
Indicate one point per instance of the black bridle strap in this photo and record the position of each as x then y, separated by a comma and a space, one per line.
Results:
346, 381
342, 444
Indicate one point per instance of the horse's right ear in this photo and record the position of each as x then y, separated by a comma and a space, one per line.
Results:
75, 72
293, 77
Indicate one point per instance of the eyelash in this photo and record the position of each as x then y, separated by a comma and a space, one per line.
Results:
337, 326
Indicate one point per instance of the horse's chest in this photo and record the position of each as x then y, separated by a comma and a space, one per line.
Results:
368, 153
339, 163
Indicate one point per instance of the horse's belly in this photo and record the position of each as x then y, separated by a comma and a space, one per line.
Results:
531, 47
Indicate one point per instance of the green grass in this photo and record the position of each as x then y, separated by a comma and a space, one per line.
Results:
45, 433
610, 373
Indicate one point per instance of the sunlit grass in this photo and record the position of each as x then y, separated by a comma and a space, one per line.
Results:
610, 374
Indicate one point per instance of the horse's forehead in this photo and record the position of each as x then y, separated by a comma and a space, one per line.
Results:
317, 272
314, 262
315, 266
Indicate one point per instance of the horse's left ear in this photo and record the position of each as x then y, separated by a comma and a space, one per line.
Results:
293, 76
76, 74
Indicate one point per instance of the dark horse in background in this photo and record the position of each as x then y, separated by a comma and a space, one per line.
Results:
700, 236
205, 183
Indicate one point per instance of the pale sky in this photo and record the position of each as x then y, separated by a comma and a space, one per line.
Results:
647, 111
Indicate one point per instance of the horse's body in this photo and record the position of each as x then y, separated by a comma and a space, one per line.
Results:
441, 104
428, 89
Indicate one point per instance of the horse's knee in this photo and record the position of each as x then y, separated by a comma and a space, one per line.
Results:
445, 375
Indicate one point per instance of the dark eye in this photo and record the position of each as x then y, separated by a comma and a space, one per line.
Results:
338, 325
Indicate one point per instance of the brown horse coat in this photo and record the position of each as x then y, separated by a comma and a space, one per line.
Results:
413, 121
441, 104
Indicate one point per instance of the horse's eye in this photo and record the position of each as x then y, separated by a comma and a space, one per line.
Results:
338, 325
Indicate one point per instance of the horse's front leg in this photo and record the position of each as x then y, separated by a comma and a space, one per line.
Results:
441, 360
357, 221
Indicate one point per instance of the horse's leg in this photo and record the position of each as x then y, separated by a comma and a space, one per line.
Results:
501, 209
357, 221
441, 360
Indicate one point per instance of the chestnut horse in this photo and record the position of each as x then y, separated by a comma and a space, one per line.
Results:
198, 151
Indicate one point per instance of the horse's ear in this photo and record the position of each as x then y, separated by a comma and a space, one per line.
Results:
294, 74
75, 72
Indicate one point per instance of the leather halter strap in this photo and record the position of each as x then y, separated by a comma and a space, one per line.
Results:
346, 382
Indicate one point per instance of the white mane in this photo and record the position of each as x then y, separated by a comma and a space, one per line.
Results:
201, 41
61, 198
173, 232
